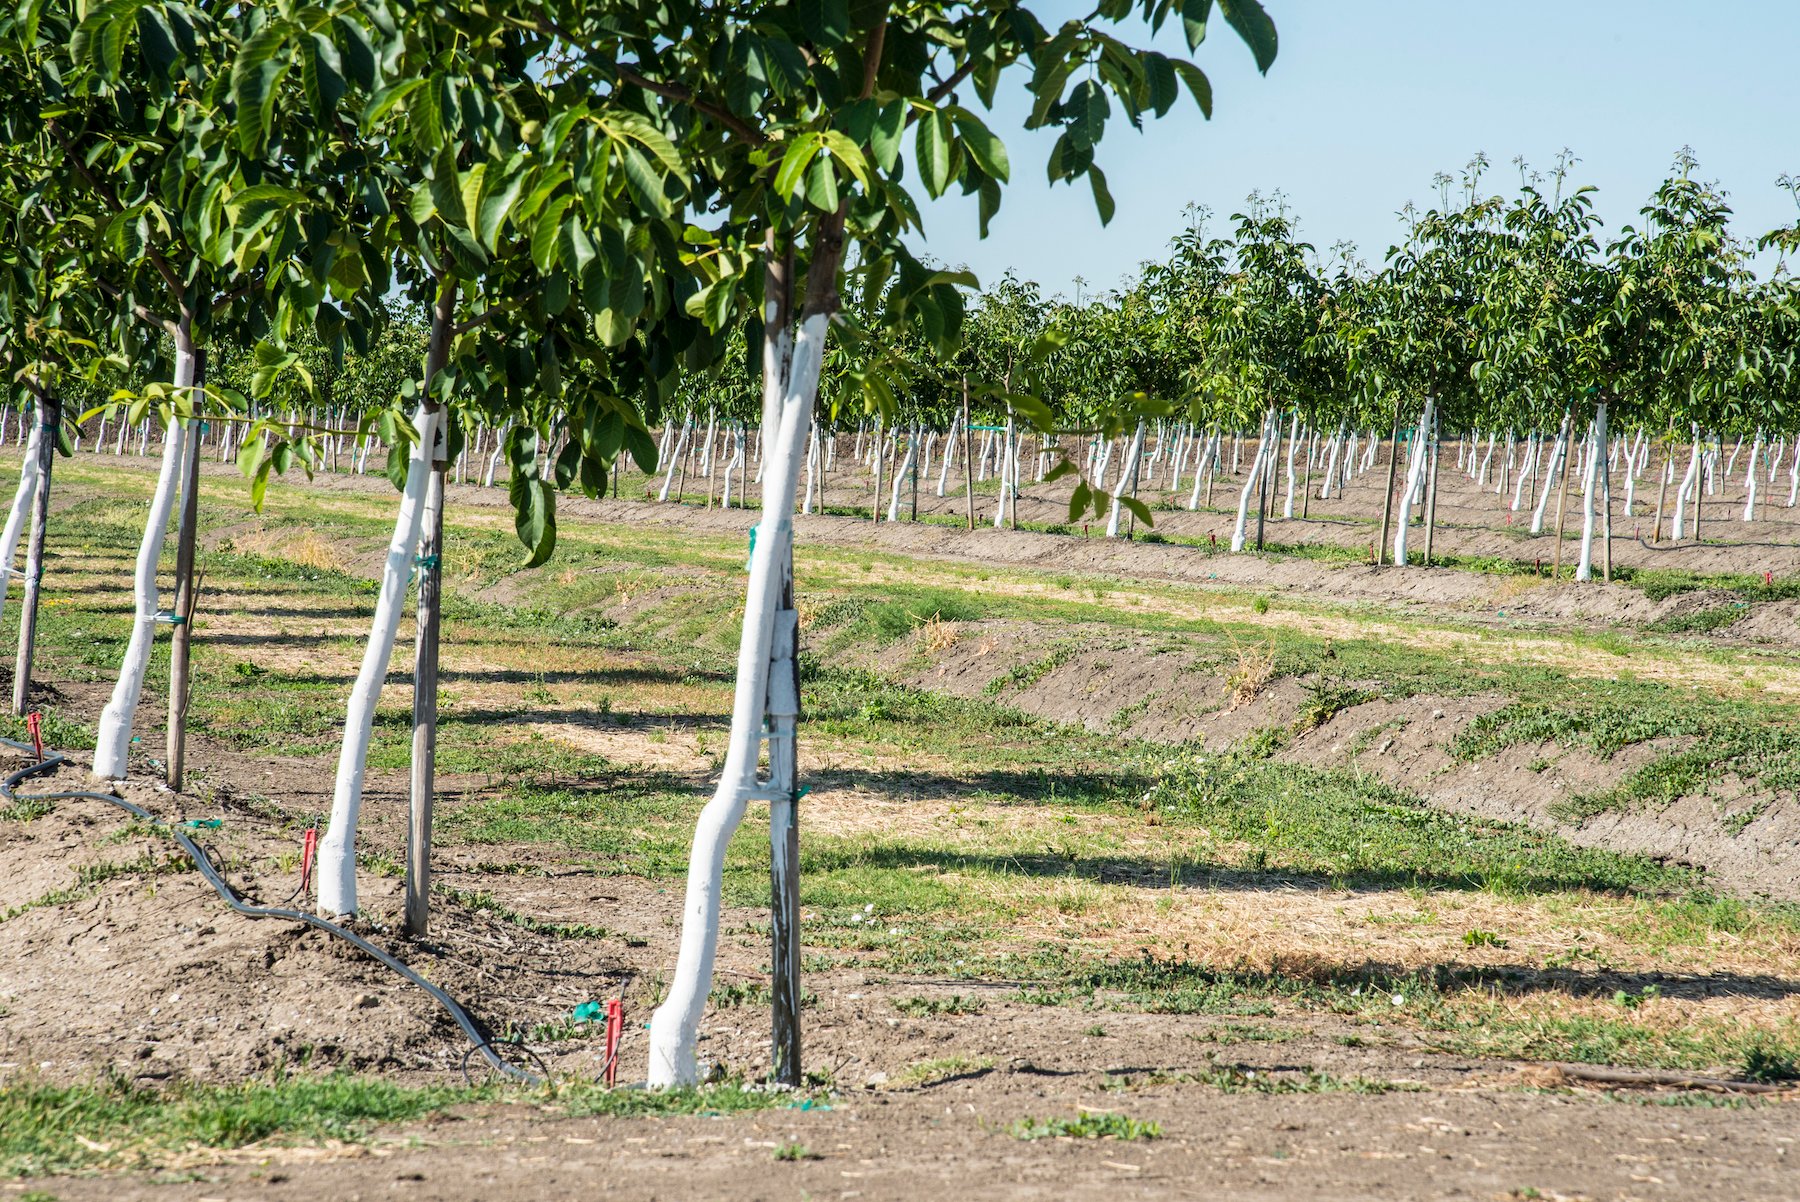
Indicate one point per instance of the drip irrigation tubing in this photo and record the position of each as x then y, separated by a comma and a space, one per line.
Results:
203, 863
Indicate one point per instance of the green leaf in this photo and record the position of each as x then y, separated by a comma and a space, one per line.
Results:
821, 185
1254, 26
987, 150
1161, 83
494, 207
266, 194
794, 162
1103, 200
1079, 499
826, 22
1193, 21
321, 74
1197, 83
644, 184
384, 100
642, 448
846, 152
884, 140
544, 234
256, 75
358, 53
932, 147
1087, 110
1138, 509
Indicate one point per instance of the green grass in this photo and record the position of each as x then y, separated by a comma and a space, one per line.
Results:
1089, 1125
131, 1127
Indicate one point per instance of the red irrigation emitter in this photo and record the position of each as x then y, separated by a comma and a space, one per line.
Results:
34, 722
615, 1030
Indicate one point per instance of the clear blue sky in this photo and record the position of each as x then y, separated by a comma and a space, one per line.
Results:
1369, 98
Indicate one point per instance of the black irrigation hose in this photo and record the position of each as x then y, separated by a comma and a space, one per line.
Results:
203, 863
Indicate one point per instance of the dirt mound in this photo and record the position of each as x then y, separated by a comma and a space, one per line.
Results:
1175, 689
116, 955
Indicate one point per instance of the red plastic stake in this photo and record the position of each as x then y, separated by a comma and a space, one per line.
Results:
1768, 578
615, 1030
309, 850
34, 722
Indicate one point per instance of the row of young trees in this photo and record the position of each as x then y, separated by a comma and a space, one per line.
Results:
1506, 317
591, 205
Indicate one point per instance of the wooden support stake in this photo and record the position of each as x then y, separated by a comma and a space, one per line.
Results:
181, 641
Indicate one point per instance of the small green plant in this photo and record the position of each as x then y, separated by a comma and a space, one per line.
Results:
1480, 938
1096, 1031
932, 1007
1091, 1125
1260, 604
1631, 1001
794, 1151
1763, 1062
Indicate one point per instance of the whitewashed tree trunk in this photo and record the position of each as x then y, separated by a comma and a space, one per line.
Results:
906, 465
674, 1028
1559, 452
1690, 480
1750, 477
675, 462
1534, 446
1331, 461
1250, 483
1415, 481
112, 739
1596, 464
1126, 478
22, 502
337, 850
1287, 505
1009, 483
812, 473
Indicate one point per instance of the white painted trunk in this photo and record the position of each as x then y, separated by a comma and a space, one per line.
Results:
906, 465
1204, 467
675, 1027
1331, 463
1559, 451
1250, 482
951, 443
1590, 516
22, 502
1532, 450
1689, 480
1106, 451
1415, 480
674, 462
1287, 505
1126, 477
112, 740
1009, 483
337, 850
1750, 479
812, 472
493, 462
